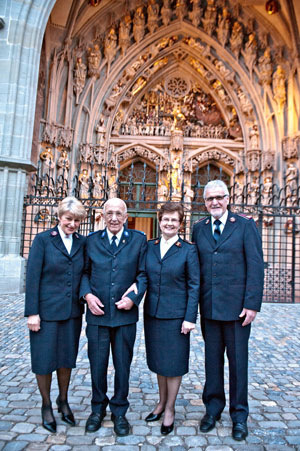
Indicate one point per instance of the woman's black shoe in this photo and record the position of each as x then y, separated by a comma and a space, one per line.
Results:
49, 425
66, 417
154, 416
165, 430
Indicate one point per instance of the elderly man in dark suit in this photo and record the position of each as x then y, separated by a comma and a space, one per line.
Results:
232, 275
115, 259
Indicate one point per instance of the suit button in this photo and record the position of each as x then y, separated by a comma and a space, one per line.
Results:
69, 295
69, 273
112, 298
70, 263
215, 275
113, 269
69, 284
112, 283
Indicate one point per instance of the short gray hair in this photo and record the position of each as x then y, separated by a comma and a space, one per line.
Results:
115, 201
215, 184
71, 205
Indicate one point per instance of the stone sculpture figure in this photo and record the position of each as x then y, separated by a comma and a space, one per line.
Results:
210, 17
166, 12
110, 47
79, 78
279, 90
236, 39
63, 164
180, 9
101, 130
66, 137
138, 25
124, 33
196, 13
94, 60
223, 30
47, 159
152, 10
98, 187
254, 137
245, 102
84, 184
250, 51
265, 68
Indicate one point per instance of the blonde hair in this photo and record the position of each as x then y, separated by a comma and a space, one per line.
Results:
71, 205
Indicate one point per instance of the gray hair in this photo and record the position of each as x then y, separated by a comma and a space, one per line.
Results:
71, 205
213, 184
115, 201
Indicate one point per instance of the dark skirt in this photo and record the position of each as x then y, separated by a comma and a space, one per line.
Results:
55, 345
167, 349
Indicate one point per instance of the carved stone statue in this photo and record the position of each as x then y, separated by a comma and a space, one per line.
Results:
79, 78
253, 160
267, 191
291, 178
196, 13
63, 164
289, 148
265, 68
152, 10
210, 17
110, 47
162, 191
245, 102
98, 188
254, 137
227, 74
279, 90
166, 12
138, 25
112, 186
47, 159
180, 9
236, 39
94, 60
83, 180
124, 33
223, 30
101, 130
250, 51
253, 191
66, 137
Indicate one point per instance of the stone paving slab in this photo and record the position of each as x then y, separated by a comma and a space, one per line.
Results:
274, 393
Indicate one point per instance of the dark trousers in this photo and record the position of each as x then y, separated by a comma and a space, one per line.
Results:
218, 336
121, 340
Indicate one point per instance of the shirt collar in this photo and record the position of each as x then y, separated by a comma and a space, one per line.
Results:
63, 235
118, 235
223, 218
170, 241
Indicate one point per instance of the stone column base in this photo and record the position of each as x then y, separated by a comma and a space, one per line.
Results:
12, 274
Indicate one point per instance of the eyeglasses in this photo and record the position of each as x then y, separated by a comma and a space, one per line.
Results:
217, 198
172, 220
110, 214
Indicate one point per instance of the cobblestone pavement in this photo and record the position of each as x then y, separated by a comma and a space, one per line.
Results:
274, 393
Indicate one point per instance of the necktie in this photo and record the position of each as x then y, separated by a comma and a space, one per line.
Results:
217, 231
113, 245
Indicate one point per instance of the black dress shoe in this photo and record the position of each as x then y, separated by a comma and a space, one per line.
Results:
63, 407
208, 422
94, 421
239, 431
121, 425
47, 424
165, 430
154, 416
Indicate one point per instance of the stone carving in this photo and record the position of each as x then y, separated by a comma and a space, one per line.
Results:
66, 137
265, 68
138, 25
98, 186
94, 60
210, 17
124, 33
180, 9
268, 160
223, 30
246, 105
188, 194
110, 47
250, 51
279, 90
196, 13
47, 159
235, 129
101, 131
112, 186
162, 191
254, 137
227, 74
253, 191
139, 151
166, 12
79, 78
112, 99
253, 160
289, 148
84, 185
267, 191
153, 11
177, 87
291, 177
50, 133
236, 39
210, 155
63, 164
176, 176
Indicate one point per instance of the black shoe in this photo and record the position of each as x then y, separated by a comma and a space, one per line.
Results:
239, 431
208, 422
49, 425
66, 417
121, 425
94, 421
165, 430
154, 416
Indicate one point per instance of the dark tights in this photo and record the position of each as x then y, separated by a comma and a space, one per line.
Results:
44, 384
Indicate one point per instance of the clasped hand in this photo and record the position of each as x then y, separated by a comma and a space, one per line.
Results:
96, 306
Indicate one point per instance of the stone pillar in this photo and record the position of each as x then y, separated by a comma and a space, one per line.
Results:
20, 47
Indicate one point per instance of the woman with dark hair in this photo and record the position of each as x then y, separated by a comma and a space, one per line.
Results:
52, 306
170, 309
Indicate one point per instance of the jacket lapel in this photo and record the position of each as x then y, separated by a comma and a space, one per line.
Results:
105, 241
77, 240
208, 233
156, 248
230, 226
173, 250
125, 238
58, 242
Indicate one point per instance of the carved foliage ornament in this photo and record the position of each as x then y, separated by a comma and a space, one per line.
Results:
215, 154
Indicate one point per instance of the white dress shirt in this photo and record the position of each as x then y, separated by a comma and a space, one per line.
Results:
223, 220
118, 236
67, 239
166, 244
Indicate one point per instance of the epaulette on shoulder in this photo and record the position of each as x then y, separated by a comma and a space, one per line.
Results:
200, 220
187, 241
138, 231
154, 239
242, 215
92, 233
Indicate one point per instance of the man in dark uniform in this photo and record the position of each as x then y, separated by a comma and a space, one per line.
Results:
232, 275
115, 259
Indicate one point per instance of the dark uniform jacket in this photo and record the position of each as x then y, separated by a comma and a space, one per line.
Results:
232, 270
173, 281
53, 277
107, 275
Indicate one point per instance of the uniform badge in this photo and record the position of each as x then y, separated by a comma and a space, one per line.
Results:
207, 221
126, 233
54, 233
156, 242
123, 241
76, 234
232, 219
178, 244
103, 234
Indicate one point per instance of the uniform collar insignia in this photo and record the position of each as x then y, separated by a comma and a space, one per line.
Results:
123, 241
156, 241
54, 233
76, 235
103, 234
178, 244
232, 219
207, 221
126, 233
